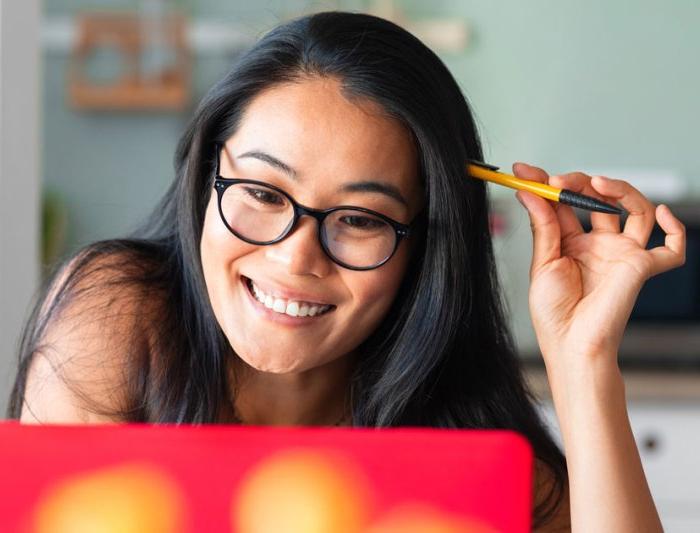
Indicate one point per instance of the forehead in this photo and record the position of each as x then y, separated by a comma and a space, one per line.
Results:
327, 138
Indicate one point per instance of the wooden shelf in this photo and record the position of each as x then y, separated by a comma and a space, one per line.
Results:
130, 95
167, 90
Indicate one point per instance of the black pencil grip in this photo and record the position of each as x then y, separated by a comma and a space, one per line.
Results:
586, 202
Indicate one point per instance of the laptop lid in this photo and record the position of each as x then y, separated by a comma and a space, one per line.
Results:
262, 479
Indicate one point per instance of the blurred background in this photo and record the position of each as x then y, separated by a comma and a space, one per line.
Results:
95, 93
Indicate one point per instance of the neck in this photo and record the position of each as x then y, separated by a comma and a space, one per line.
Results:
315, 397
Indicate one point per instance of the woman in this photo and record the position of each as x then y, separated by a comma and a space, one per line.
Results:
232, 304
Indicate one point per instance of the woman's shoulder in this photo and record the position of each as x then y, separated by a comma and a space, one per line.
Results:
109, 282
93, 321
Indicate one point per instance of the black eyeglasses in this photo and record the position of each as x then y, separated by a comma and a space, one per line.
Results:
259, 213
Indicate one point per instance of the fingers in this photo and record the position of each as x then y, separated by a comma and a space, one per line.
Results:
571, 225
528, 172
581, 183
672, 254
568, 222
546, 235
641, 219
552, 224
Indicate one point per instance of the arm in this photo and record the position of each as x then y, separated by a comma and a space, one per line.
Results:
609, 491
583, 288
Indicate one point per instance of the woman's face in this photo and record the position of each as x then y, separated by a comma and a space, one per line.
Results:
328, 142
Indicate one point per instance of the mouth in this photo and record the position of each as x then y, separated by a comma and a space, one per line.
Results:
283, 308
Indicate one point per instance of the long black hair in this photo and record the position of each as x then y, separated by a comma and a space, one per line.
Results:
442, 357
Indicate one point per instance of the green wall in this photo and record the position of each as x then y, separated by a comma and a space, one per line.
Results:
568, 85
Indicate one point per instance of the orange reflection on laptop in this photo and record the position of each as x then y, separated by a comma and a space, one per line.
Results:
126, 498
309, 491
424, 518
302, 491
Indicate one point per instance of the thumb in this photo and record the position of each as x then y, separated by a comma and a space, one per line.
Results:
546, 233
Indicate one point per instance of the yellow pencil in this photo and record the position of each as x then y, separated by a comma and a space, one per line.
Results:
488, 172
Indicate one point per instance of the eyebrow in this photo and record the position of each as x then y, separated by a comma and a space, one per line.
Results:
357, 186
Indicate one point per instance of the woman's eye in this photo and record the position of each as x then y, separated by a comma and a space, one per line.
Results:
265, 197
360, 222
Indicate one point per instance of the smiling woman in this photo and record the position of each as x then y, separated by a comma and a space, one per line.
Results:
321, 258
398, 315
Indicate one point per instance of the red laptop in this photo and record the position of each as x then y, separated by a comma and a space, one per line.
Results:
186, 479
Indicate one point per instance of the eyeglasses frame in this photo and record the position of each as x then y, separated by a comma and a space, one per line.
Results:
221, 184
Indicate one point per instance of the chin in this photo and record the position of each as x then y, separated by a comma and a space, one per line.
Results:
275, 366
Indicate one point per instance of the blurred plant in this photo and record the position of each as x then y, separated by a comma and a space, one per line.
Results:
54, 222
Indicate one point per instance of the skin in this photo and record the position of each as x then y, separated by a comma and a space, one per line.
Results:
291, 375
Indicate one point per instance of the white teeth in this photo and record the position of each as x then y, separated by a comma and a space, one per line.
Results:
291, 307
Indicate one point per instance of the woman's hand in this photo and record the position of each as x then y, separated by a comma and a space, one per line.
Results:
584, 285
582, 290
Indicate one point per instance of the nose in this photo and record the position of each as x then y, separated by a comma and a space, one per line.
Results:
300, 252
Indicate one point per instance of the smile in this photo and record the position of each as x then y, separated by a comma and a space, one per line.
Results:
286, 307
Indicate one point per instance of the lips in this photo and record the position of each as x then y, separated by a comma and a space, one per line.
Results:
286, 294
285, 309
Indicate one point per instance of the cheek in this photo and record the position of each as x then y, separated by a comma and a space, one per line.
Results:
375, 290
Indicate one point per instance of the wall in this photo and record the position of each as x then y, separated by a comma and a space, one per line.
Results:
19, 176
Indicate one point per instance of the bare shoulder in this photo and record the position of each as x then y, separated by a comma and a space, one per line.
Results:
92, 323
545, 491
